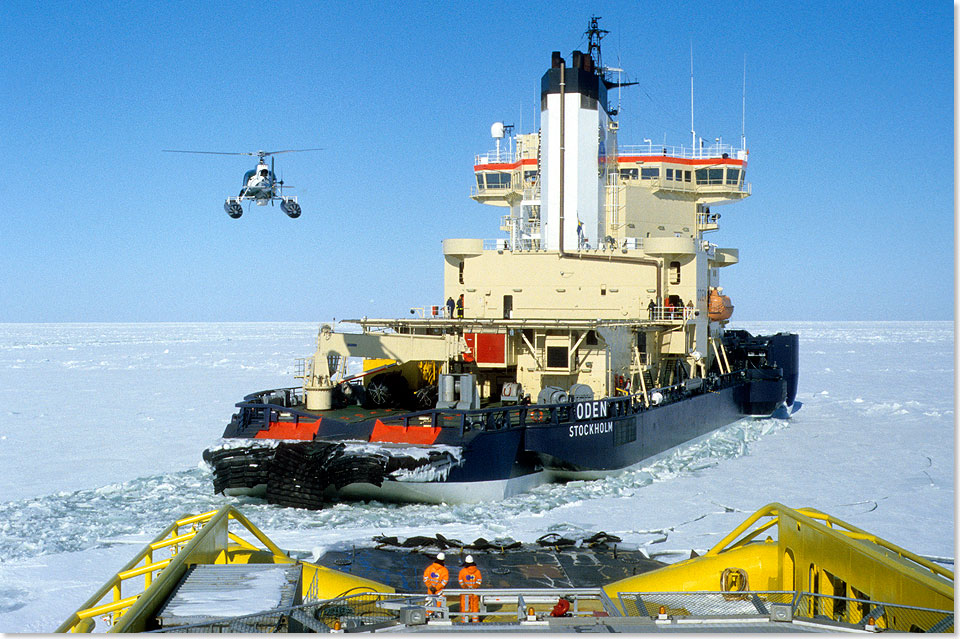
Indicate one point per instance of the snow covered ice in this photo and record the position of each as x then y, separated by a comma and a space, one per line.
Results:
104, 425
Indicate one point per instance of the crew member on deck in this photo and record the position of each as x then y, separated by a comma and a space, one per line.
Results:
460, 306
450, 304
436, 576
470, 577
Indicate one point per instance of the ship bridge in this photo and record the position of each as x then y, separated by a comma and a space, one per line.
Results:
714, 174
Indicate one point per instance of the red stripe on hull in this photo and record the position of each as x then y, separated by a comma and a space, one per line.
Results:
397, 434
290, 430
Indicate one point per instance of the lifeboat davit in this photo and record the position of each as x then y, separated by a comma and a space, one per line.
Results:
719, 307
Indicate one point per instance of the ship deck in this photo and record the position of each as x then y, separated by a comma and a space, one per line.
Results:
531, 566
356, 414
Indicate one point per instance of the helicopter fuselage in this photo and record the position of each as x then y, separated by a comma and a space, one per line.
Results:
259, 184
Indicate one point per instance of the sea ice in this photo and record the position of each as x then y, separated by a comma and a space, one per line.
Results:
105, 424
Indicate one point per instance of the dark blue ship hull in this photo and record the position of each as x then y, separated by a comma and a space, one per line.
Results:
302, 458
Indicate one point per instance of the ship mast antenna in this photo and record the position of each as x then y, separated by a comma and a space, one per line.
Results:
743, 107
693, 132
594, 34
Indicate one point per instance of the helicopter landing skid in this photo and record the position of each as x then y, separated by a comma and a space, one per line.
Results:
233, 207
288, 204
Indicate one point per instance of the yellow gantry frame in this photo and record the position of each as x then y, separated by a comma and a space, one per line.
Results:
187, 540
813, 553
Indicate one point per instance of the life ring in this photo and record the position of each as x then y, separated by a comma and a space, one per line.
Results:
537, 416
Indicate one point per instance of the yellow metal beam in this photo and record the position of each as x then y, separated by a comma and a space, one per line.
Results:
201, 546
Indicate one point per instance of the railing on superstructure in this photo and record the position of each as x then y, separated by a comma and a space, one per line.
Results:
256, 413
711, 152
532, 245
505, 606
839, 613
704, 152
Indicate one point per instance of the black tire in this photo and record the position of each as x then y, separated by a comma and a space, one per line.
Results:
399, 391
379, 393
426, 397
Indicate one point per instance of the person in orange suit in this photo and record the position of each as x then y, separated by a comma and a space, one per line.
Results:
470, 577
436, 576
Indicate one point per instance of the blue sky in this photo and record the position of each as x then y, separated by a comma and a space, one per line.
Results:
849, 122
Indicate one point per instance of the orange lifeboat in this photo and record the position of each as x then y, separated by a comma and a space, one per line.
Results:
719, 307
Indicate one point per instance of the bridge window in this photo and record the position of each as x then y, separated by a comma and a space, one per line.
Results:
650, 173
530, 176
686, 176
709, 176
733, 176
629, 174
498, 180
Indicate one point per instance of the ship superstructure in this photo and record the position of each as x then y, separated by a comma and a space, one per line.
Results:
589, 338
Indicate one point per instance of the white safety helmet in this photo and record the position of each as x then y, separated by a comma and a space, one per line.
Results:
469, 559
441, 556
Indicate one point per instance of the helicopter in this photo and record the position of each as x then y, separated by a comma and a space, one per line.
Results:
260, 185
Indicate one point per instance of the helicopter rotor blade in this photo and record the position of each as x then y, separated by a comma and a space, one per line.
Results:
293, 151
204, 152
257, 153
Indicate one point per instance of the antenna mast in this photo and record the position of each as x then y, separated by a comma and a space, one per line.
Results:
693, 132
743, 108
594, 34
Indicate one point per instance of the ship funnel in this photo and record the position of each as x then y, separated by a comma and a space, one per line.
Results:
575, 137
556, 61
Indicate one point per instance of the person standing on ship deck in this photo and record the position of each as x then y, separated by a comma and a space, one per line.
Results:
470, 578
450, 304
460, 307
436, 576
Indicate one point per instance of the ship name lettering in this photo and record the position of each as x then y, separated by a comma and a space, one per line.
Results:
596, 428
591, 410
